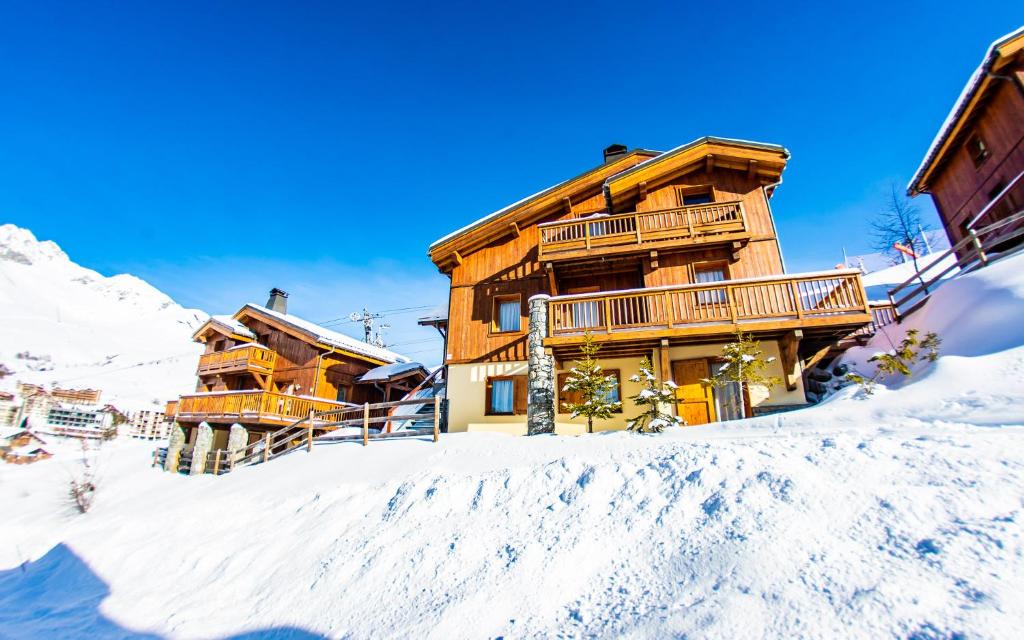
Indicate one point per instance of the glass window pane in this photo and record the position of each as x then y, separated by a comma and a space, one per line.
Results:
508, 315
502, 396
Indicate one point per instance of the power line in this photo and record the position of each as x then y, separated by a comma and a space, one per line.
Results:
386, 312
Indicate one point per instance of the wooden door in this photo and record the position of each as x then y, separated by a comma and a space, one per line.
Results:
696, 402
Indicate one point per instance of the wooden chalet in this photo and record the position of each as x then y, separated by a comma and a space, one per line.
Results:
21, 446
657, 254
974, 169
264, 368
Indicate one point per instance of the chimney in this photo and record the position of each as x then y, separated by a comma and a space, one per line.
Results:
615, 151
278, 301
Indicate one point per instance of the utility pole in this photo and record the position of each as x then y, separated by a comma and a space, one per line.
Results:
367, 318
924, 238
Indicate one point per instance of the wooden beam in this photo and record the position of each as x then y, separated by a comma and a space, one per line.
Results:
788, 347
663, 363
552, 284
515, 229
818, 356
457, 257
734, 250
709, 163
654, 260
642, 189
567, 204
751, 168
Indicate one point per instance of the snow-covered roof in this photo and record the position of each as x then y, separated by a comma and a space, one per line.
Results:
248, 345
233, 325
767, 146
959, 107
329, 337
28, 450
391, 371
500, 212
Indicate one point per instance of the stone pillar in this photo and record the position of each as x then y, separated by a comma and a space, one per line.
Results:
175, 443
540, 408
201, 449
238, 438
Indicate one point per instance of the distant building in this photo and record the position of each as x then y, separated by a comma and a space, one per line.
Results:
78, 421
974, 170
149, 425
21, 446
9, 412
77, 396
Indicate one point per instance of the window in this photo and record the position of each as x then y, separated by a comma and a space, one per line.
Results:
687, 196
342, 393
506, 395
564, 397
507, 314
710, 273
977, 149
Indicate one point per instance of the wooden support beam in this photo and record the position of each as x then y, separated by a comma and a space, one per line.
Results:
552, 284
642, 189
457, 257
788, 347
663, 362
567, 205
309, 433
818, 356
734, 251
437, 418
709, 163
515, 229
366, 423
751, 168
654, 259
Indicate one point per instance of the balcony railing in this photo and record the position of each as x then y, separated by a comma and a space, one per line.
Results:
805, 298
247, 358
633, 230
251, 406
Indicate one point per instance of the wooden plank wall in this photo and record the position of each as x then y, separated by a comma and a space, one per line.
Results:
960, 189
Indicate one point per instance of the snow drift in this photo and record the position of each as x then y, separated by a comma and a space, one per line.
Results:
67, 324
898, 515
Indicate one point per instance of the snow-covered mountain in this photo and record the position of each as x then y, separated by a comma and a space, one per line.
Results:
65, 324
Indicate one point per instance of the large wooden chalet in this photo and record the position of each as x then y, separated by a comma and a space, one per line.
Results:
264, 368
974, 170
656, 254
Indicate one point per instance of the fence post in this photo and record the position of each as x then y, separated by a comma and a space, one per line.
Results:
216, 462
977, 247
309, 433
366, 423
266, 447
437, 417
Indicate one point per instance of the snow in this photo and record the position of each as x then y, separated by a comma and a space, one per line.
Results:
898, 515
233, 325
878, 283
388, 371
330, 337
82, 329
958, 107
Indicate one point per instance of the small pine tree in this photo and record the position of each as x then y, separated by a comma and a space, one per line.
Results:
651, 398
594, 388
745, 365
900, 359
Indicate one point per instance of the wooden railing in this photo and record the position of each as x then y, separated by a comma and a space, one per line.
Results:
251, 405
882, 314
641, 227
251, 358
782, 297
1005, 236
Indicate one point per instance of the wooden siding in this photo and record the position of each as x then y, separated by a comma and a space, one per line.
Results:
960, 189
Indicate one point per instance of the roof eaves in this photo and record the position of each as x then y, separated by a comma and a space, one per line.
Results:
767, 146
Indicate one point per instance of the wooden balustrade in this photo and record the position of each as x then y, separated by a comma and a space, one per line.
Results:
250, 358
630, 230
802, 298
252, 406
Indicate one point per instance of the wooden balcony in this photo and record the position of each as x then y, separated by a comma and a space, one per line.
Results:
253, 359
829, 301
250, 407
717, 222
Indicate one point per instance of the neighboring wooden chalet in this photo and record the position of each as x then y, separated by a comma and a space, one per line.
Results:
656, 254
974, 170
21, 446
264, 368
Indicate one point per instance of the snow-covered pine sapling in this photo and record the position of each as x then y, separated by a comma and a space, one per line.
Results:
594, 389
900, 360
745, 365
651, 398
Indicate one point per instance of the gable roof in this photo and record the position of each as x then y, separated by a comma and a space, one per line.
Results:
392, 371
226, 325
999, 53
590, 179
322, 335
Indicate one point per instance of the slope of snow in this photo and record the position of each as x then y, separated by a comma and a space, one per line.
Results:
67, 324
898, 515
878, 283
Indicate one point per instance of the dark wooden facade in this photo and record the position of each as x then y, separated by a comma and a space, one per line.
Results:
975, 169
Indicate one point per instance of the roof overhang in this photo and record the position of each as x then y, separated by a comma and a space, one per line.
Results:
761, 160
449, 250
213, 325
1001, 53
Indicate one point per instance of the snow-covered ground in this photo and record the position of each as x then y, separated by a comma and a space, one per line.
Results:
67, 324
896, 515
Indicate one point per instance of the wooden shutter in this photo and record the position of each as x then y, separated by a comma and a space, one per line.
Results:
519, 394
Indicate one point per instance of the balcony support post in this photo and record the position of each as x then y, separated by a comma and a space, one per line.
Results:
238, 440
788, 348
540, 408
175, 443
201, 449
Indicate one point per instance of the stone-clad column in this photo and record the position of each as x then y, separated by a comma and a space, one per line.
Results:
175, 443
201, 449
238, 439
540, 410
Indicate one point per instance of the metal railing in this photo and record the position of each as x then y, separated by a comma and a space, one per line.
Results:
641, 227
725, 302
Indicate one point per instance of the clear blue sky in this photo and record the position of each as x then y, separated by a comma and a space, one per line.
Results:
219, 149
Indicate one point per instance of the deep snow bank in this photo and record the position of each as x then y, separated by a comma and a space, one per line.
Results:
898, 515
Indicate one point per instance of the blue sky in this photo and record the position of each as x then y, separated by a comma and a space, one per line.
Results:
218, 149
